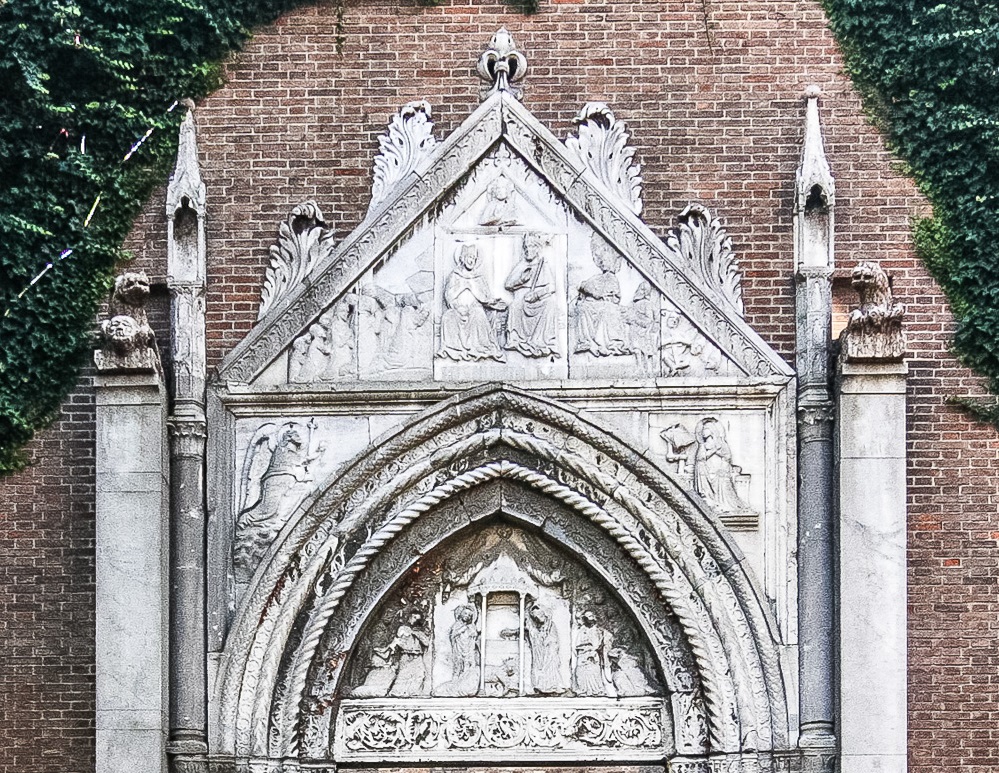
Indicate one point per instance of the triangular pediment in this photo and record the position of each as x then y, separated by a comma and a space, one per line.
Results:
504, 254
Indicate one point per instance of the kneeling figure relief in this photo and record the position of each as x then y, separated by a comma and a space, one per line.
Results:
499, 641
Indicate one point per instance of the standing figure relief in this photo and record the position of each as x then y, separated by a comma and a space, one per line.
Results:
592, 645
464, 639
499, 618
533, 321
276, 477
543, 639
472, 313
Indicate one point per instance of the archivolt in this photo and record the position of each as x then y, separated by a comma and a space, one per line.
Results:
498, 433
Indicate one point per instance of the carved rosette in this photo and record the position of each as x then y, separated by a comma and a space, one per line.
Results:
873, 332
502, 66
601, 143
408, 142
304, 240
700, 242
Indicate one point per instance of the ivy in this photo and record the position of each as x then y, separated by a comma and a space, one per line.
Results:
928, 72
83, 81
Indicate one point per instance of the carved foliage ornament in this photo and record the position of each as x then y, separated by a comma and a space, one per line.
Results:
706, 249
502, 66
408, 142
304, 240
601, 143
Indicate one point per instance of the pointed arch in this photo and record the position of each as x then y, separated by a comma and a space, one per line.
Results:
477, 438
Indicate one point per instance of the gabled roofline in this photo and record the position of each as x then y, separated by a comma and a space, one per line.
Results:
500, 117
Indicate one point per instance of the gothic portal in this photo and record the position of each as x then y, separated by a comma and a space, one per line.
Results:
503, 477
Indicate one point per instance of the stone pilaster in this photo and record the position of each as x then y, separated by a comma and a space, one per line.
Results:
872, 532
132, 570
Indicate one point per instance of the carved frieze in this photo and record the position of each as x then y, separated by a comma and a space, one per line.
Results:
459, 730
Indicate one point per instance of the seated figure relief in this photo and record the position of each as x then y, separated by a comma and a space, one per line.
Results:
600, 324
473, 314
703, 459
533, 320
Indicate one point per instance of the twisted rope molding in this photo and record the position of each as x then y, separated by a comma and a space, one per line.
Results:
487, 417
708, 656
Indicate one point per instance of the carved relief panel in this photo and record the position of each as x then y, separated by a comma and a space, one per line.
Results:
506, 283
502, 642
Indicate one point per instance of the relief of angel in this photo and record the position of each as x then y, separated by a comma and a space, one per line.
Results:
276, 478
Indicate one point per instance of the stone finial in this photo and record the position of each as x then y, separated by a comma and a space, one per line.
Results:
814, 177
502, 66
185, 182
874, 329
601, 143
126, 339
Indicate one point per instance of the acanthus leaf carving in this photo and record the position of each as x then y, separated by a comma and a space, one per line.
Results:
408, 142
601, 143
304, 240
702, 244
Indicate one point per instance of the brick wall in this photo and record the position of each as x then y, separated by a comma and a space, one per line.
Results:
710, 90
47, 599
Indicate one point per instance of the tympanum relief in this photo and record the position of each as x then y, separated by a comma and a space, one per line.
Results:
507, 284
541, 655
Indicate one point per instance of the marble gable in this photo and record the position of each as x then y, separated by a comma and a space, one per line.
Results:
501, 253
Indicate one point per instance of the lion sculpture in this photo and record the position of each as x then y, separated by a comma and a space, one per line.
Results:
127, 340
874, 329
